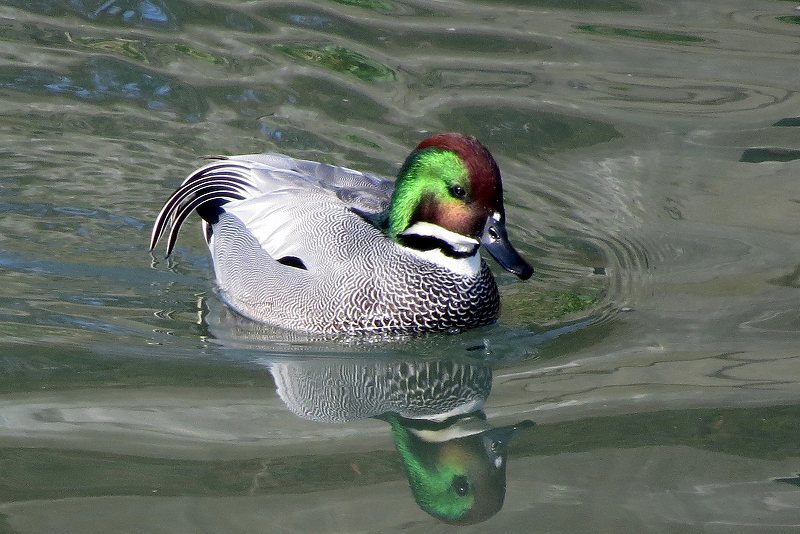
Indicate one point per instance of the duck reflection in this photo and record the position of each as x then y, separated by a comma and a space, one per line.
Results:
454, 458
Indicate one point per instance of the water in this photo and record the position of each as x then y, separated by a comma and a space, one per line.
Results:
650, 156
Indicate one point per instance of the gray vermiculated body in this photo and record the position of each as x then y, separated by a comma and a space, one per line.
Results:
342, 391
357, 280
385, 289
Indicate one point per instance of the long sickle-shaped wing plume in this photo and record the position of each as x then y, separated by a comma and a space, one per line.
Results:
218, 182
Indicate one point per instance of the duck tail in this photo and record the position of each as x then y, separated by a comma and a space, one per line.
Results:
206, 190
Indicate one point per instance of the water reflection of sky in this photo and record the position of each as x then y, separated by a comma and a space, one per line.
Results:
109, 80
135, 12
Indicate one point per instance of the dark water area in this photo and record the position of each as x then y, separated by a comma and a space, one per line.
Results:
646, 379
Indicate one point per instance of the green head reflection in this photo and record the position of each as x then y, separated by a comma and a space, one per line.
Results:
456, 470
455, 460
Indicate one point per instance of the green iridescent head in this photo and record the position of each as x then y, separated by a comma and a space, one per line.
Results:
450, 180
449, 195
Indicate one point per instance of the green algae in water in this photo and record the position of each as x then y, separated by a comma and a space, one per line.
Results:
136, 49
340, 59
584, 5
198, 54
633, 33
540, 307
375, 5
362, 141
790, 19
129, 48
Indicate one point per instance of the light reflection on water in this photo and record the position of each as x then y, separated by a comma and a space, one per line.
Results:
649, 153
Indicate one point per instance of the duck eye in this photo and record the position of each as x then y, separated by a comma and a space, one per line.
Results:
458, 191
461, 485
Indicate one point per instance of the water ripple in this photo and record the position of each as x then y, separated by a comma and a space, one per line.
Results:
357, 83
158, 15
108, 80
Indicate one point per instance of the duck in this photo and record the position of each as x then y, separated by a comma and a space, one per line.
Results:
328, 250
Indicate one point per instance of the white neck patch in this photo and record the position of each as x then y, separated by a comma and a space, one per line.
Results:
469, 266
460, 243
468, 426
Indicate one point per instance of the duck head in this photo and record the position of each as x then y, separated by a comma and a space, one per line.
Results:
457, 470
449, 196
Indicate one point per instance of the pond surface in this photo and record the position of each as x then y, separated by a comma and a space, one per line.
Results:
650, 153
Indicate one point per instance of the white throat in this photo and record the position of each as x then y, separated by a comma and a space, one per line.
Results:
468, 266
466, 427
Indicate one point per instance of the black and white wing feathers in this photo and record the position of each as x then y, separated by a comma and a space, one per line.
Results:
245, 177
208, 187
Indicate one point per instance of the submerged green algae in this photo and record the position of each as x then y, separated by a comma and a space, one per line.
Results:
340, 59
635, 33
375, 5
548, 305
